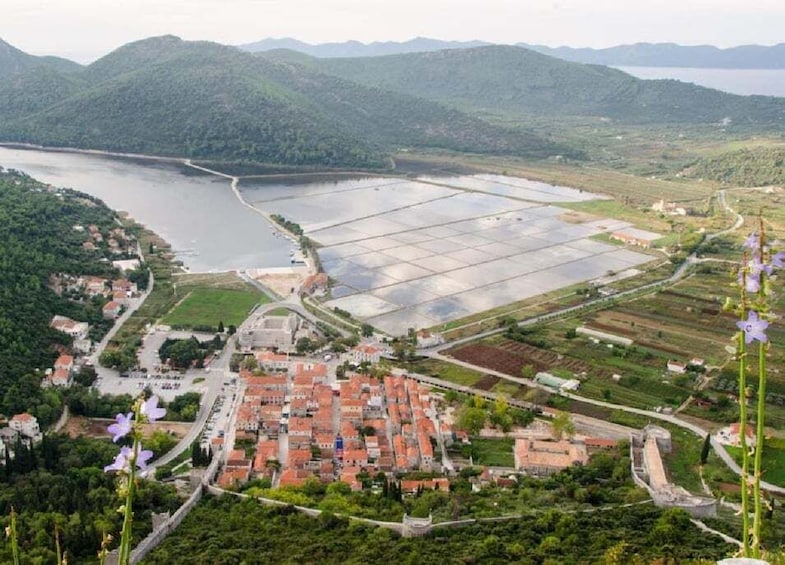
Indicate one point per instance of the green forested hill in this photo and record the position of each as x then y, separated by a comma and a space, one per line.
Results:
508, 80
37, 240
35, 89
246, 532
387, 117
756, 166
198, 99
13, 61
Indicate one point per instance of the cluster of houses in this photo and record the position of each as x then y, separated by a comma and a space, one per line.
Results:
669, 208
412, 417
302, 426
119, 292
680, 368
59, 375
77, 330
115, 241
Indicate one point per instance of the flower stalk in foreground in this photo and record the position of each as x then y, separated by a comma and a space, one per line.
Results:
755, 273
130, 464
10, 532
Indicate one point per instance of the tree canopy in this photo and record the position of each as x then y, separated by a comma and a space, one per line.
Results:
37, 240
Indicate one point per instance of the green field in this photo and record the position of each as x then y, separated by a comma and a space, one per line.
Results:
508, 388
447, 371
279, 312
206, 307
773, 460
493, 452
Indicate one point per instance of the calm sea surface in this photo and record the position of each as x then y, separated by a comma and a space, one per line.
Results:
767, 82
208, 228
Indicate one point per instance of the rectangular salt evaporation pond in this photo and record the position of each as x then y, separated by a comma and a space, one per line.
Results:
461, 206
362, 305
404, 295
372, 260
399, 322
298, 186
319, 211
516, 187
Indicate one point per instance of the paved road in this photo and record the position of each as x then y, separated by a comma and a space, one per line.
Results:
135, 304
219, 371
292, 302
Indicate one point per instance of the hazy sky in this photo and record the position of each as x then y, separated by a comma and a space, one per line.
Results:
87, 29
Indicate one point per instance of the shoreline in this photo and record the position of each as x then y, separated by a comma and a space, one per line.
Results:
310, 265
187, 161
180, 262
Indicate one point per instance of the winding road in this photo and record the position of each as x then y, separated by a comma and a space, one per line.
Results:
219, 371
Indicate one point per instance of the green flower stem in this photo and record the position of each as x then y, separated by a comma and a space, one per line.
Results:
14, 537
58, 549
745, 510
758, 470
124, 557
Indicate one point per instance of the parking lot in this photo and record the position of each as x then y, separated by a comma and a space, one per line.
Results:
166, 384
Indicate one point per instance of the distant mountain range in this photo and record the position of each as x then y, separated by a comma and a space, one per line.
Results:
357, 49
639, 54
672, 55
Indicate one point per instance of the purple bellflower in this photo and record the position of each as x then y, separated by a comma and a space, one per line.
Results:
752, 241
122, 426
778, 260
151, 410
757, 266
142, 459
754, 328
751, 281
122, 462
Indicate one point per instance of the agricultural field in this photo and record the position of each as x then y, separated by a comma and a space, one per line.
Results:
509, 389
447, 371
683, 322
643, 384
770, 201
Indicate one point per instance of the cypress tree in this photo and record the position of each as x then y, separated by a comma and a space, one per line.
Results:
705, 450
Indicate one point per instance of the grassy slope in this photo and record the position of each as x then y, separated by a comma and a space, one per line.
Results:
754, 166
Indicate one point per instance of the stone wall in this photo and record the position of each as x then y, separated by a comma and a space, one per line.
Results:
163, 528
668, 495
